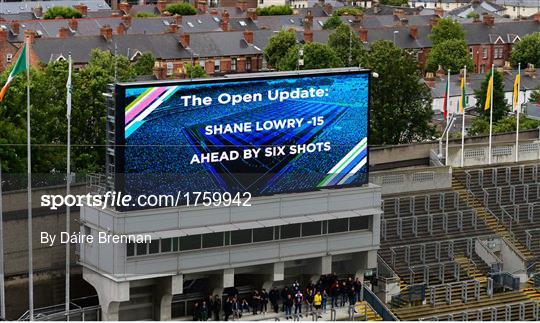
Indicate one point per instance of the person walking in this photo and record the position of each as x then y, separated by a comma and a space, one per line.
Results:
288, 303
273, 296
309, 300
216, 307
228, 308
298, 300
317, 303
324, 300
264, 301
255, 301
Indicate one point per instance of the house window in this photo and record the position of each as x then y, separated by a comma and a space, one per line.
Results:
233, 64
202, 63
169, 68
471, 52
217, 65
485, 53
9, 58
248, 63
498, 52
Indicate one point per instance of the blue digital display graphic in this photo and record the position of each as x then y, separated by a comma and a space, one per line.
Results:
265, 135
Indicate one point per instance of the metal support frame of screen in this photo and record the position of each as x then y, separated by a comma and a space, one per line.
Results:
120, 91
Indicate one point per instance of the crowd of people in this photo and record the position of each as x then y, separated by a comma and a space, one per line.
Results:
328, 292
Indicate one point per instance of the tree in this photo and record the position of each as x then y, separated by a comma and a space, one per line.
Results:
145, 64
346, 44
64, 12
527, 51
332, 22
401, 109
450, 54
274, 10
196, 72
346, 11
315, 56
473, 14
446, 29
396, 3
535, 96
182, 9
145, 15
500, 107
278, 46
480, 125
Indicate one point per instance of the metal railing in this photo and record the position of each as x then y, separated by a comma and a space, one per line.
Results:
378, 306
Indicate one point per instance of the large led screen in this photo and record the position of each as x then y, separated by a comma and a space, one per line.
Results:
262, 135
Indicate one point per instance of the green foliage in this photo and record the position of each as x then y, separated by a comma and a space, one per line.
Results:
48, 104
346, 11
450, 54
480, 125
332, 23
278, 46
145, 15
500, 107
274, 10
196, 72
182, 9
345, 43
401, 109
396, 3
527, 51
64, 12
315, 56
145, 64
535, 96
446, 29
473, 14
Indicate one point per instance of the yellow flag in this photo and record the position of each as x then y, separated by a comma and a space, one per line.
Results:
489, 94
516, 92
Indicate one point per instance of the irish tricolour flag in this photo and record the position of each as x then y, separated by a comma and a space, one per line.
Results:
20, 66
349, 165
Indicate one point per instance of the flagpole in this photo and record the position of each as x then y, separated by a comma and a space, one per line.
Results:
2, 291
518, 108
29, 195
447, 118
463, 116
491, 111
68, 187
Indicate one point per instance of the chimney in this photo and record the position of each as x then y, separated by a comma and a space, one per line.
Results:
15, 27
536, 17
530, 71
126, 20
213, 12
413, 32
224, 21
63, 32
173, 28
184, 40
359, 17
29, 34
202, 6
178, 20
507, 68
161, 5
125, 7
489, 20
241, 4
434, 21
38, 11
440, 73
399, 14
328, 9
308, 36
3, 35
248, 36
363, 34
308, 21
82, 8
430, 79
121, 29
252, 14
106, 32
439, 11
73, 24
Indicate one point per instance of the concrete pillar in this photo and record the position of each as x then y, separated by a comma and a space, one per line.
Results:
110, 293
277, 274
323, 266
224, 280
164, 289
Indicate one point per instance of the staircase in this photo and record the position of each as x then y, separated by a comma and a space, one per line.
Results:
490, 221
364, 308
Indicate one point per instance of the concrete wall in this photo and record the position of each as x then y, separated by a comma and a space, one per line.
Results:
414, 179
502, 152
172, 222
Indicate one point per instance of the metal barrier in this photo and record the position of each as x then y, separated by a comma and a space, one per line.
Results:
378, 306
